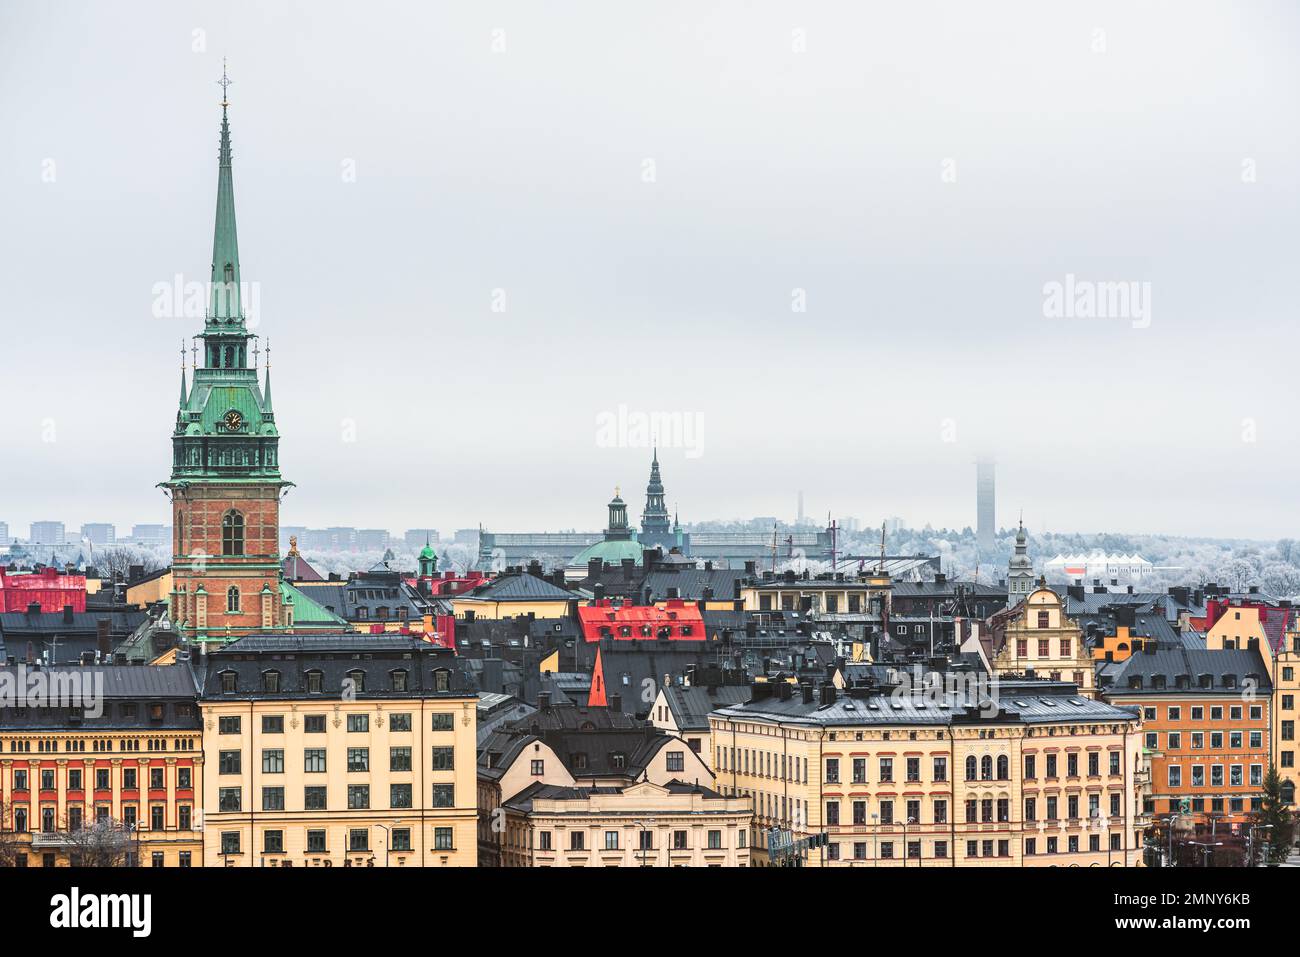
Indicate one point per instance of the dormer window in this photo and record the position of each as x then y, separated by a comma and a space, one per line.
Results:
229, 682
315, 682
271, 681
398, 679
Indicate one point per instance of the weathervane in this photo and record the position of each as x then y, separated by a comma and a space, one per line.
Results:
224, 82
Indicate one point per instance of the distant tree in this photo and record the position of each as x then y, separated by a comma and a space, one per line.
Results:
1281, 580
1286, 550
1275, 823
114, 564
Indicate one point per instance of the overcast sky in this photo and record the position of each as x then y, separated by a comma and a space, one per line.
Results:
477, 228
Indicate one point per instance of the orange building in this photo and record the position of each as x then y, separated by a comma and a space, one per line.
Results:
1206, 724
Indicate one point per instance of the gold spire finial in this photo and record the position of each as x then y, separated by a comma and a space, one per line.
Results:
224, 82
616, 490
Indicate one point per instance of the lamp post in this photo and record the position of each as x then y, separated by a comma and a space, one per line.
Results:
645, 829
1205, 848
1169, 823
1250, 841
388, 838
875, 840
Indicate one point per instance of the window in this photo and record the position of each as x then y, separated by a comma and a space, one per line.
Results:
229, 842
886, 769
358, 759
271, 681
399, 679
399, 759
832, 770
232, 533
184, 779
313, 723
232, 599
359, 839
273, 724
273, 799
444, 759
230, 723
315, 685
676, 760
313, 760
273, 761
401, 838
358, 723
228, 799
316, 842
442, 721
577, 840
156, 782
228, 762
611, 840
941, 769
358, 797
314, 798
399, 795
680, 841
913, 769
443, 795
400, 722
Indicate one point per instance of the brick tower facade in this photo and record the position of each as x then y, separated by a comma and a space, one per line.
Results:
225, 484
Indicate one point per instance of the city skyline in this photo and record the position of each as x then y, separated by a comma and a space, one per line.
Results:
653, 269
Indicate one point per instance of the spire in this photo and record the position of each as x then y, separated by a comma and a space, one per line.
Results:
596, 696
266, 390
183, 396
225, 302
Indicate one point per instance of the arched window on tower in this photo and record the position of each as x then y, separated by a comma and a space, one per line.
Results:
232, 598
1004, 768
232, 533
986, 768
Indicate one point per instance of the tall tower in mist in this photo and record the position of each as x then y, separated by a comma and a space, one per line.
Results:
985, 511
225, 484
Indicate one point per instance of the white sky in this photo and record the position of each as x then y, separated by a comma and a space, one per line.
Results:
775, 170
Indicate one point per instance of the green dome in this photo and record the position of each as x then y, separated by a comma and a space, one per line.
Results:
428, 552
612, 551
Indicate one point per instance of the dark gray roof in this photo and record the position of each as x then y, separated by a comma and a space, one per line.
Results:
1022, 707
523, 801
519, 588
122, 681
691, 707
1227, 671
691, 582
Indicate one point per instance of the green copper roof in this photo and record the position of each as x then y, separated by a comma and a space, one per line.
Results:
225, 302
610, 550
308, 611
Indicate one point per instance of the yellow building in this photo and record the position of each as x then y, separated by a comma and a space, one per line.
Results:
105, 768
515, 596
638, 825
1040, 638
1038, 775
338, 751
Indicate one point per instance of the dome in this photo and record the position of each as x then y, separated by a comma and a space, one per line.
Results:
612, 551
428, 552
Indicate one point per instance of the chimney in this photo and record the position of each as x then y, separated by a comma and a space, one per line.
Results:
807, 691
708, 566
594, 566
103, 643
940, 578
598, 593
67, 614
751, 567
34, 608
783, 690
543, 701
649, 557
616, 702
828, 694
629, 568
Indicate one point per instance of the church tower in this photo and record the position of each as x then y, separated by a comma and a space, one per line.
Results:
1020, 571
656, 526
225, 485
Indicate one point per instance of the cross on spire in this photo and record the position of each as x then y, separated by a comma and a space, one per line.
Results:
224, 83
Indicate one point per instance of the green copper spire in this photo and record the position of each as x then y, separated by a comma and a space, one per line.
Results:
183, 396
225, 304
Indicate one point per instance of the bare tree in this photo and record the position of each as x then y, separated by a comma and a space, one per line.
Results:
10, 845
102, 843
114, 564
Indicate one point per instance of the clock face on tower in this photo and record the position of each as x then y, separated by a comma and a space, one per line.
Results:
233, 420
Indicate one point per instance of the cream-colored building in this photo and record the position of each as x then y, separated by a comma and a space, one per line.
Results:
822, 595
337, 751
1041, 776
643, 824
1040, 638
515, 596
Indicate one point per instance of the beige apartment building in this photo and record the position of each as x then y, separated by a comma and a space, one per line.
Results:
827, 594
1041, 776
337, 751
1039, 637
637, 825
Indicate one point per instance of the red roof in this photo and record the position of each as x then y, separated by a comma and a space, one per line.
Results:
49, 588
677, 621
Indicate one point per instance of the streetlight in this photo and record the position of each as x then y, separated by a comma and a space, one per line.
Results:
1250, 841
388, 838
645, 829
1169, 823
1205, 848
907, 821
